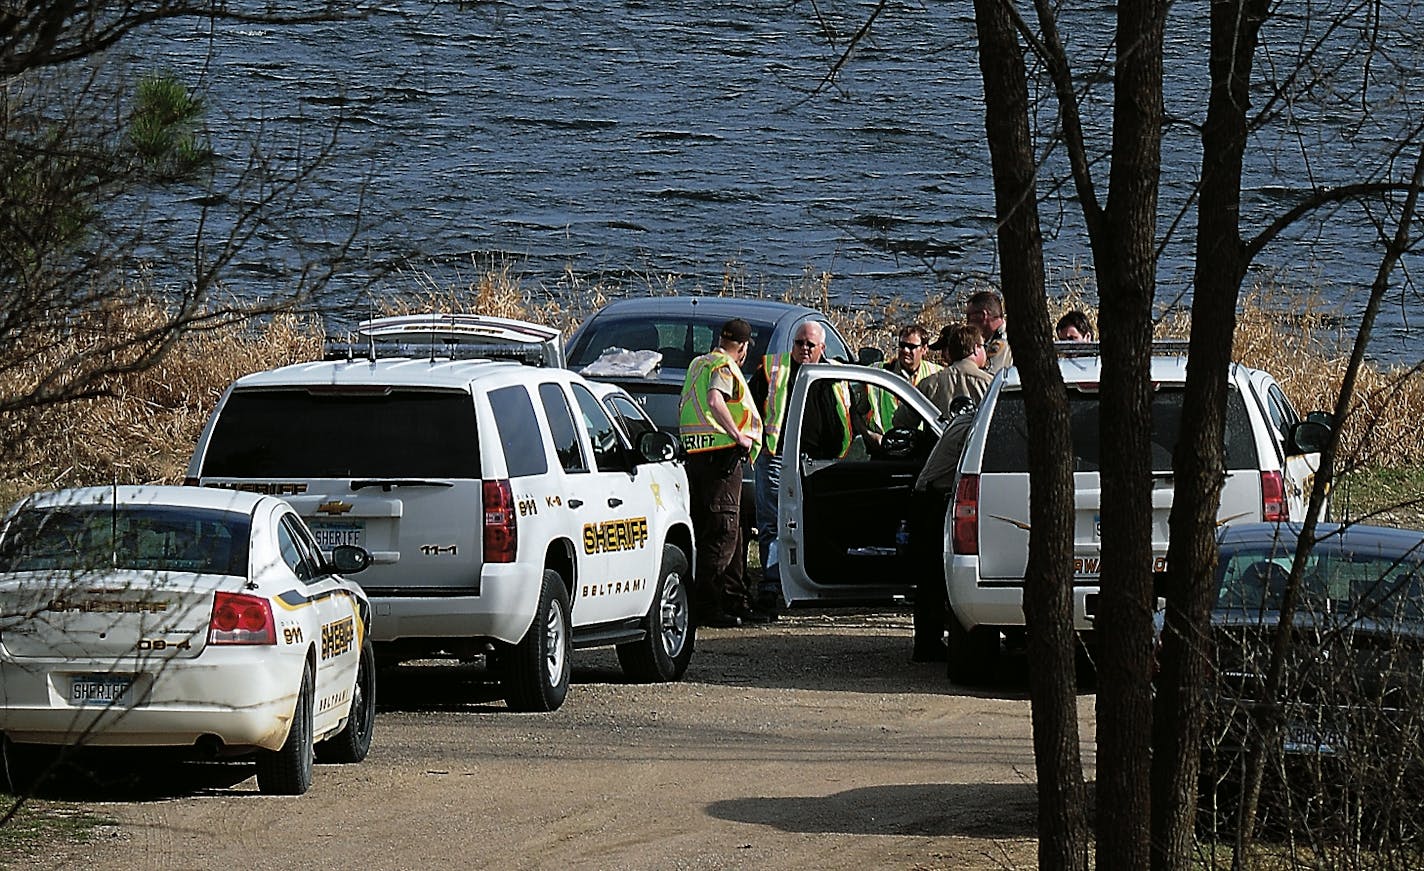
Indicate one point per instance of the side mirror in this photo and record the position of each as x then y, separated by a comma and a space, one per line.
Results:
869, 356
658, 447
349, 559
1309, 436
962, 405
898, 442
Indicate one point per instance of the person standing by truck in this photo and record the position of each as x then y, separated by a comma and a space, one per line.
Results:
720, 428
827, 436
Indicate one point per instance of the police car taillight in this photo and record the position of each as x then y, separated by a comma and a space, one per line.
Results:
1273, 497
966, 515
241, 619
501, 530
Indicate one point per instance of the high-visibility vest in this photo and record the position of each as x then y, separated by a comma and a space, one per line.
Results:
699, 429
778, 390
842, 391
883, 403
778, 394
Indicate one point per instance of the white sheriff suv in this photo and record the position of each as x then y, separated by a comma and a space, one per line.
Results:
839, 517
512, 509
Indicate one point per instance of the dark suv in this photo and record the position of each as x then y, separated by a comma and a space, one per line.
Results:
680, 328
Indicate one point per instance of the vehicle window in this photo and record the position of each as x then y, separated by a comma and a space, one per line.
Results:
634, 421
679, 341
1283, 415
295, 553
143, 538
1006, 448
835, 349
561, 428
608, 453
1371, 585
518, 432
311, 556
298, 433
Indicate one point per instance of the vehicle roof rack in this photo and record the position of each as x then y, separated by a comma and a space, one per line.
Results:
1160, 348
453, 337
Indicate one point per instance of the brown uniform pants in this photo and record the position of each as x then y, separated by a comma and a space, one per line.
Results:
715, 481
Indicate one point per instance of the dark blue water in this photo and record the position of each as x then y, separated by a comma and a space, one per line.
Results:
678, 145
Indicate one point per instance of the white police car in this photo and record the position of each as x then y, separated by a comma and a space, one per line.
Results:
182, 617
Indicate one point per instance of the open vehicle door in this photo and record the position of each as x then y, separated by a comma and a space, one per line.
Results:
843, 501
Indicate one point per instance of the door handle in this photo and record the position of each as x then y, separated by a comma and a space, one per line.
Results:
575, 503
614, 502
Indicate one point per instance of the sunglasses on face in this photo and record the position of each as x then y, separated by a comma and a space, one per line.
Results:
910, 346
804, 343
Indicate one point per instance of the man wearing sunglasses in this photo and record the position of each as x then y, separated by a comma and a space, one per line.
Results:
826, 433
909, 363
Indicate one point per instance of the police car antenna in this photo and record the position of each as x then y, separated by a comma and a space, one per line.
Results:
370, 336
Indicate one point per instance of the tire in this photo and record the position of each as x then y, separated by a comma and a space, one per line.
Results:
288, 769
973, 653
353, 742
535, 672
20, 766
664, 651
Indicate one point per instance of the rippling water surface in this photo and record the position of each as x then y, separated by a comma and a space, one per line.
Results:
669, 143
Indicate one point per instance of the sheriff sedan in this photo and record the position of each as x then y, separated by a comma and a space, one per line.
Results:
182, 617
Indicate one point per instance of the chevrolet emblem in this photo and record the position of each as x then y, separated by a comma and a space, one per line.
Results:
335, 506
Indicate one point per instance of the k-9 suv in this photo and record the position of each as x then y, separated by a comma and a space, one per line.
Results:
840, 517
512, 509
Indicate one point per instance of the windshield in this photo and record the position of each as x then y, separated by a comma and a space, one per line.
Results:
1006, 448
139, 537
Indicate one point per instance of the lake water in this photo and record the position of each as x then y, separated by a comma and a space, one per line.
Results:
668, 145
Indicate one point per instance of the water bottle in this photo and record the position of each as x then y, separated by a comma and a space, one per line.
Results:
902, 538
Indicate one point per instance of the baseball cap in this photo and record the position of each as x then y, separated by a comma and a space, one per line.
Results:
943, 341
737, 330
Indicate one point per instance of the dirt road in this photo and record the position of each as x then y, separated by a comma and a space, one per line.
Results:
813, 742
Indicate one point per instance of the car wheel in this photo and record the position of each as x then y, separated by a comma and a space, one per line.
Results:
535, 672
353, 742
21, 766
973, 653
665, 649
288, 769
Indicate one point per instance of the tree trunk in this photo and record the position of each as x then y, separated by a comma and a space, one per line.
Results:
1048, 605
1125, 254
1199, 464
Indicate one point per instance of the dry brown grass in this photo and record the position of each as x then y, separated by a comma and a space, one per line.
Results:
144, 430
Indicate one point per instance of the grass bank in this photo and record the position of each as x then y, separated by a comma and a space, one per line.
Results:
143, 429
32, 836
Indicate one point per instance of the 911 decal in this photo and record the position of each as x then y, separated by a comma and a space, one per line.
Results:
613, 535
337, 637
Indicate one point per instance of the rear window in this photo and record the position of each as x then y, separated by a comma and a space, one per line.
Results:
142, 538
1006, 448
302, 434
1387, 587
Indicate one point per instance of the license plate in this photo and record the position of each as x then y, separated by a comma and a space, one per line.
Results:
330, 533
99, 689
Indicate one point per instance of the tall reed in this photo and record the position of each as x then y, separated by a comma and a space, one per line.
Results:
146, 425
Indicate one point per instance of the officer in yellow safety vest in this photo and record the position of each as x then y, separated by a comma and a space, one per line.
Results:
720, 427
827, 434
910, 364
